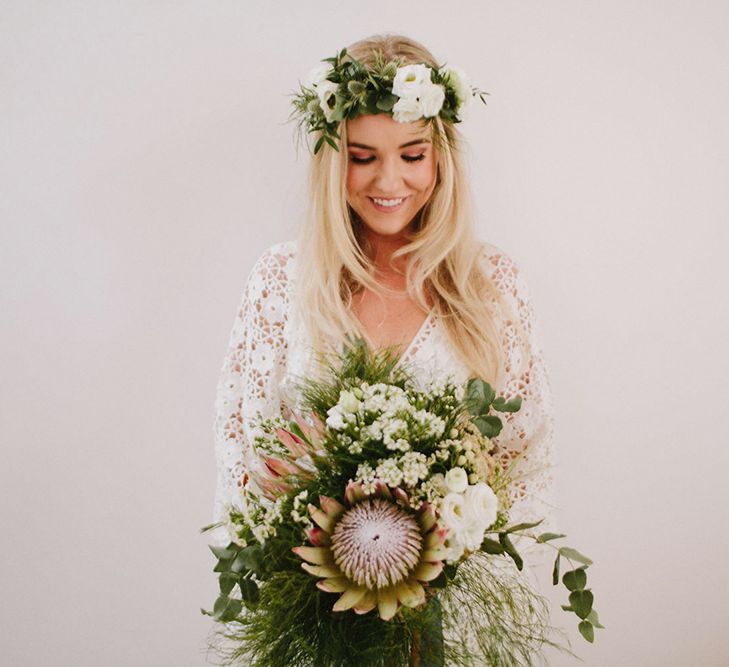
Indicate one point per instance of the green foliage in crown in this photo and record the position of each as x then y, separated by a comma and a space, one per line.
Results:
344, 88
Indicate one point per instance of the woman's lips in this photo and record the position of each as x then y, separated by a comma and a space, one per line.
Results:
388, 209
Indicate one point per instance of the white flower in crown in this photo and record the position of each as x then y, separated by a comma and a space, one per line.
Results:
409, 79
432, 97
327, 99
317, 75
407, 110
461, 84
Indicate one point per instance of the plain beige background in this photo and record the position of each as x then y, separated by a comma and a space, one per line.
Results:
145, 163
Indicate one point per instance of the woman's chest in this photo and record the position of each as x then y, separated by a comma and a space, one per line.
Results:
390, 321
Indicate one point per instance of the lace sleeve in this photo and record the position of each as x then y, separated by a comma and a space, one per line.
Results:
248, 380
526, 440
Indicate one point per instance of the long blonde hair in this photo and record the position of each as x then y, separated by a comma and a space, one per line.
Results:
444, 257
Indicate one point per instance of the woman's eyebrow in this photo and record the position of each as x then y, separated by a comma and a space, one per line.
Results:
370, 148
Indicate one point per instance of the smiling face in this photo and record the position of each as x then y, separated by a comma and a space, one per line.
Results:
391, 172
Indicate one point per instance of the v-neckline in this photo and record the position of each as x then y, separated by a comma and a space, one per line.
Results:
407, 352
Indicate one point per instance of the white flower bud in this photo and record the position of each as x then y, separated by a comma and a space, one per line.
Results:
456, 480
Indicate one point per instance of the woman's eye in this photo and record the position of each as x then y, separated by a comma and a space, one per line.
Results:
413, 158
362, 160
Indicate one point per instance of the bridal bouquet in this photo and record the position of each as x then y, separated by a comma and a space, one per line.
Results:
376, 529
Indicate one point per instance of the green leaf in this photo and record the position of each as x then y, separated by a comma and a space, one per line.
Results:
511, 550
587, 631
249, 590
226, 609
491, 546
546, 537
332, 143
581, 602
318, 144
227, 581
521, 526
489, 426
593, 618
567, 607
555, 570
575, 580
573, 554
222, 553
386, 102
441, 581
250, 559
479, 395
502, 405
223, 566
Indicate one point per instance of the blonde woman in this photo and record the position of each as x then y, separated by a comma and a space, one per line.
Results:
388, 252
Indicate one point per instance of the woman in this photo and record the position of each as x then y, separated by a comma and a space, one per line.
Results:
388, 253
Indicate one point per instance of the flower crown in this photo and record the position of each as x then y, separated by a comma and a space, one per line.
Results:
345, 88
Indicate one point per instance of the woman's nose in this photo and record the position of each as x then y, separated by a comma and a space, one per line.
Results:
388, 177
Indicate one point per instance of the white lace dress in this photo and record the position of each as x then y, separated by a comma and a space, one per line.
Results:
268, 350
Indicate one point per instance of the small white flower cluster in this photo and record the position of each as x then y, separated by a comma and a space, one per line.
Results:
260, 514
300, 513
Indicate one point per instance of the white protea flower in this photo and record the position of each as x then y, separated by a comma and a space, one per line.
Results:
374, 551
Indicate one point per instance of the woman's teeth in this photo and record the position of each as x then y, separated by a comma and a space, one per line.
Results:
387, 202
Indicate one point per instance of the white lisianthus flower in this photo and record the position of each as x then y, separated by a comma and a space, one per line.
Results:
456, 480
407, 109
409, 80
327, 100
454, 548
452, 513
431, 99
317, 75
348, 401
461, 85
481, 505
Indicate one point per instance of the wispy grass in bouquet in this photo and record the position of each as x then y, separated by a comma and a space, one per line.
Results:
376, 528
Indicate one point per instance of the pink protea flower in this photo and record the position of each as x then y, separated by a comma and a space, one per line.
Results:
375, 551
271, 475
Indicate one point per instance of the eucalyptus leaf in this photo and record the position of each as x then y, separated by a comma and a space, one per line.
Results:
581, 602
502, 405
222, 553
249, 590
227, 581
593, 618
546, 537
226, 609
521, 526
491, 546
573, 554
555, 570
511, 550
489, 426
587, 631
575, 580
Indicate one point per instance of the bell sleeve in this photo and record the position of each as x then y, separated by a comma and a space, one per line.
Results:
526, 443
248, 381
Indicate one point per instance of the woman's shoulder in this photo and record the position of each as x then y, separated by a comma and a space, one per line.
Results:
275, 265
501, 268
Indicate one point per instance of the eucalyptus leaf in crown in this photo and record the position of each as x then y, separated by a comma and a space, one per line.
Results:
344, 88
375, 531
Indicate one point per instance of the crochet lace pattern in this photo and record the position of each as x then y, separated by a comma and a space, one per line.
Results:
268, 349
